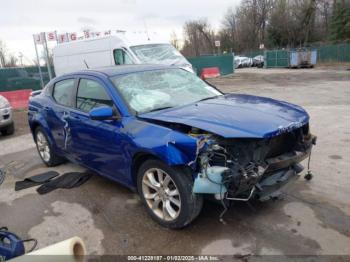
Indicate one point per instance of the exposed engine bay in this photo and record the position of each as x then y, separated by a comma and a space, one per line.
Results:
242, 168
237, 169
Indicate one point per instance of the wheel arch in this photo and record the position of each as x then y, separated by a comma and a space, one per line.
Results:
141, 157
33, 128
137, 160
34, 125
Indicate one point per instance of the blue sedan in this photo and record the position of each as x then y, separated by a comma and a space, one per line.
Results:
171, 137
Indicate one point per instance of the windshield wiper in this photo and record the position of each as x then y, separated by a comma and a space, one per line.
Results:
160, 108
207, 98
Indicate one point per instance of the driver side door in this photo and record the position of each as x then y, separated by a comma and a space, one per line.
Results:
95, 143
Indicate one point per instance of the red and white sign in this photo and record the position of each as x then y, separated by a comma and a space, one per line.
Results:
38, 39
51, 36
62, 38
68, 37
87, 34
72, 36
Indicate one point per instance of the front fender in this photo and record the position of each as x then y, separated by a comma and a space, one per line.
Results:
171, 146
172, 149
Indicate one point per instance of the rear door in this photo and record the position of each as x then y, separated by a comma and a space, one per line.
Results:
96, 143
63, 95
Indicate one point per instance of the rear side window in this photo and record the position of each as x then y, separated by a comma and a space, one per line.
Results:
121, 57
63, 92
91, 94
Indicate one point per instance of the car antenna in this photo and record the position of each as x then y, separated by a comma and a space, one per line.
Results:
86, 64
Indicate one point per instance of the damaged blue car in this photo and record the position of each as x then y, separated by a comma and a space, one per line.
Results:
171, 137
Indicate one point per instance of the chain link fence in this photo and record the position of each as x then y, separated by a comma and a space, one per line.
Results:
325, 53
18, 78
334, 53
225, 63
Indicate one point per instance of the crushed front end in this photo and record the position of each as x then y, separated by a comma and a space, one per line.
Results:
245, 168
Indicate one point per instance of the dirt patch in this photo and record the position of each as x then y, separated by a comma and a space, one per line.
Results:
334, 65
305, 87
271, 78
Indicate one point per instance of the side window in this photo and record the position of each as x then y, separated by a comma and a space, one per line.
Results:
121, 57
63, 92
91, 94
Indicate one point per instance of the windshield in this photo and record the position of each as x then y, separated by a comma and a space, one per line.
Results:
159, 54
159, 89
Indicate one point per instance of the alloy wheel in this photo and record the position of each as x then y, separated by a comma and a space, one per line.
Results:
43, 146
161, 194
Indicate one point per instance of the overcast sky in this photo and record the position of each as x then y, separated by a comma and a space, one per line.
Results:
19, 19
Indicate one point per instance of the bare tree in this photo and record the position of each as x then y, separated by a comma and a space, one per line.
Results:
340, 20
282, 23
11, 61
247, 25
199, 38
227, 33
174, 40
263, 11
291, 22
6, 59
278, 31
323, 15
308, 11
3, 54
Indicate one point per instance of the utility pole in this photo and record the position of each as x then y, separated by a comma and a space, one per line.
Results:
43, 35
38, 60
20, 55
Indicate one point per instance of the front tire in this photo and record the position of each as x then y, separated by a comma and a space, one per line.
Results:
45, 149
167, 194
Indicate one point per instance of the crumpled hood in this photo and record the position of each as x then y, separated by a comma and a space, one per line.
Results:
236, 116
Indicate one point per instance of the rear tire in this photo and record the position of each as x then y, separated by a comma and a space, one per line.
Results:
167, 194
45, 149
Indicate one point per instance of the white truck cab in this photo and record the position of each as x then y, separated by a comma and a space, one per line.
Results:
114, 50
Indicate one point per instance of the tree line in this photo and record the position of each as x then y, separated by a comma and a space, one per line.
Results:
9, 59
258, 24
6, 59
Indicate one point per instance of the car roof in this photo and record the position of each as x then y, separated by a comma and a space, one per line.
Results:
121, 69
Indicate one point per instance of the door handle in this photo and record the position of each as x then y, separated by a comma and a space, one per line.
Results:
76, 118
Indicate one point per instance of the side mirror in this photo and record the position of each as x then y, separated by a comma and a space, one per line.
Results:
103, 113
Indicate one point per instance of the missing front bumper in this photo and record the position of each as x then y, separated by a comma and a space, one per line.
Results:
269, 188
288, 159
263, 181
